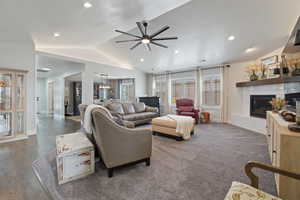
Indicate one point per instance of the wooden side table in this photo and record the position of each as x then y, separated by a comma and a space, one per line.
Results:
205, 117
75, 157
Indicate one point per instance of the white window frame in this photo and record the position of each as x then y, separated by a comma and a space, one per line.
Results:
183, 80
205, 77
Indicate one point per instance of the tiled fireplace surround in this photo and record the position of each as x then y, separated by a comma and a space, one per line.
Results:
243, 119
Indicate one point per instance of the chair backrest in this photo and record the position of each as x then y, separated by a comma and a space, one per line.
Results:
184, 102
105, 130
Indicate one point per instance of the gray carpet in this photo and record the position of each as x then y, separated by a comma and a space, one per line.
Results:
201, 168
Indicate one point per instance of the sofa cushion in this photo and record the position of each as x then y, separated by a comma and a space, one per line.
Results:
124, 123
128, 108
240, 191
116, 108
187, 113
139, 107
139, 116
186, 108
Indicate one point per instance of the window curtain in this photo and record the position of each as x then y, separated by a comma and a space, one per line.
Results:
208, 85
211, 92
161, 89
127, 89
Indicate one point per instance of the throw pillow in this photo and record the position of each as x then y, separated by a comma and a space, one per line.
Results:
139, 107
116, 108
128, 108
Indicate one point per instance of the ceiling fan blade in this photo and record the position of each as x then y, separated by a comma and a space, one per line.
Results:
134, 46
121, 41
128, 34
161, 45
148, 47
139, 25
165, 38
160, 31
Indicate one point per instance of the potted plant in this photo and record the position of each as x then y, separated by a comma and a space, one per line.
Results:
277, 104
294, 64
251, 70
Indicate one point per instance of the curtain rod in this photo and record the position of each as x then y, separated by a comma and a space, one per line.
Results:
192, 70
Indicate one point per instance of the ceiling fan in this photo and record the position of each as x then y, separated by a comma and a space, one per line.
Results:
146, 38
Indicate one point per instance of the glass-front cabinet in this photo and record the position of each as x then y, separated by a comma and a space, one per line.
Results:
12, 104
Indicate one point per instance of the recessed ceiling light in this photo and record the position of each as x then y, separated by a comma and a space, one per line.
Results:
56, 34
230, 38
176, 51
249, 50
142, 59
45, 69
87, 5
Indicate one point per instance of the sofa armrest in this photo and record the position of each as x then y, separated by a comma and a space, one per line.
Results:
196, 110
178, 111
151, 109
115, 114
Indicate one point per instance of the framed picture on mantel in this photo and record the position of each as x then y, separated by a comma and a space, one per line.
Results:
271, 63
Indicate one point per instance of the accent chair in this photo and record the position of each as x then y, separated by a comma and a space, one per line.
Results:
185, 107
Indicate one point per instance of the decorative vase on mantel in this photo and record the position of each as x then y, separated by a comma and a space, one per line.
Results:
253, 77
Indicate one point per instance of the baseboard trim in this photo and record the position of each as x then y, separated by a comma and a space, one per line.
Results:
14, 139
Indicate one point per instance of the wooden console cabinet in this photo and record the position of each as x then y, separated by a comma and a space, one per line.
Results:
284, 149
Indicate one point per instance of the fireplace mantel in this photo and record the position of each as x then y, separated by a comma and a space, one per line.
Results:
270, 81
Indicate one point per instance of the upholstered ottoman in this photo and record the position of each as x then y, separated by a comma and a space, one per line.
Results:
167, 126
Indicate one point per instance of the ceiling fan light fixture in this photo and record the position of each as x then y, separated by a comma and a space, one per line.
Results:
145, 41
145, 38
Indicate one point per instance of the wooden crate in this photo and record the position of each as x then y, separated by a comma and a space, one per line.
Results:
74, 157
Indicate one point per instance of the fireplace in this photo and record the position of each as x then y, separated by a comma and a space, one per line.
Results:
291, 98
259, 105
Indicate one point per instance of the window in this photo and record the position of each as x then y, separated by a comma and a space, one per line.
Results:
211, 90
183, 89
127, 90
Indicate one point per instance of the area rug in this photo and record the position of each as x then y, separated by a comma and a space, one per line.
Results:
201, 168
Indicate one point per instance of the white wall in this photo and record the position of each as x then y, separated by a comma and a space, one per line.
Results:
59, 91
42, 94
239, 98
92, 68
21, 55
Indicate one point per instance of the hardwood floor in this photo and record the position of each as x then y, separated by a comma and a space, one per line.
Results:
17, 181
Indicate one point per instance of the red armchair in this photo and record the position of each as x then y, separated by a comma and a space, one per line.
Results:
185, 107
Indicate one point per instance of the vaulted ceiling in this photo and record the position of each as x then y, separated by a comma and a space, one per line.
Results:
202, 27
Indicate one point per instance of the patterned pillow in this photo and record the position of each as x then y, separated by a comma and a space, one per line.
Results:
240, 191
139, 107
